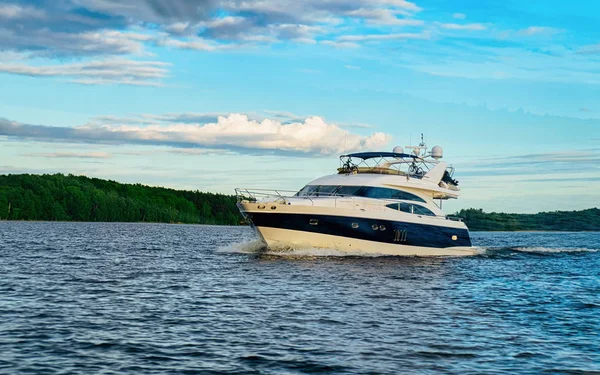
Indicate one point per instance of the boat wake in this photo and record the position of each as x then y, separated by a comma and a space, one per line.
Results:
258, 247
554, 250
537, 250
246, 247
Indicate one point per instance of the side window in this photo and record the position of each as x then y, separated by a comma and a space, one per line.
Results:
325, 190
348, 190
307, 190
373, 192
385, 193
404, 207
411, 209
420, 210
394, 206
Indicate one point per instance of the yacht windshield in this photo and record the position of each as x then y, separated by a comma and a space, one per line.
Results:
357, 191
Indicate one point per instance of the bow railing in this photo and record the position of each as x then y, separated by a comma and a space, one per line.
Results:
286, 196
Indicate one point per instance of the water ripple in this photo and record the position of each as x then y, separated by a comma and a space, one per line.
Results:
184, 299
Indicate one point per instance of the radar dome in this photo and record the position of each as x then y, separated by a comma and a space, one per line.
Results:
437, 152
398, 150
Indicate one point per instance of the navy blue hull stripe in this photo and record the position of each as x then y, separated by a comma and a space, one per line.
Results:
394, 232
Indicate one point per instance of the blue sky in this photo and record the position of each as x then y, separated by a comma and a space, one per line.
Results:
214, 95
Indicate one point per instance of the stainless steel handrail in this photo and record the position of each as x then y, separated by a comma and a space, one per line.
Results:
266, 193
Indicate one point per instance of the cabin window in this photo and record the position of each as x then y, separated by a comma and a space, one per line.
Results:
325, 190
307, 190
385, 193
404, 207
411, 209
420, 210
348, 190
357, 191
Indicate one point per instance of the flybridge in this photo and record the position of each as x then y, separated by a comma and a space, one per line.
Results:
382, 162
394, 163
419, 164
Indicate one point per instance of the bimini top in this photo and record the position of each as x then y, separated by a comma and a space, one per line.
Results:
372, 155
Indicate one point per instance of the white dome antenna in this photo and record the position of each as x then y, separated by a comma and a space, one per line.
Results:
398, 150
437, 152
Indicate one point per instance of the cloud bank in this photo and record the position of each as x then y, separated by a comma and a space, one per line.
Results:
114, 70
235, 132
60, 38
62, 28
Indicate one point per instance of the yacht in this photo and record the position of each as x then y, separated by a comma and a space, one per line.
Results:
384, 203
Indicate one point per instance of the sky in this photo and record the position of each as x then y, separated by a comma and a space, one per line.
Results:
214, 95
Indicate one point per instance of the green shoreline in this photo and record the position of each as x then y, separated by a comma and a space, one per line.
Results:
26, 197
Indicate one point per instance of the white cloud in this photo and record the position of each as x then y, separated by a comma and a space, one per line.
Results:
105, 71
178, 27
164, 119
78, 155
401, 4
372, 37
467, 26
13, 11
194, 43
116, 41
120, 81
337, 44
383, 17
235, 132
248, 19
539, 30
225, 21
47, 43
60, 29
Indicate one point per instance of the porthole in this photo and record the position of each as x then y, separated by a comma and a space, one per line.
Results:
382, 227
313, 222
375, 227
261, 206
454, 238
354, 225
273, 207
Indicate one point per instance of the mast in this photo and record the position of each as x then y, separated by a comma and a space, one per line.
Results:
420, 150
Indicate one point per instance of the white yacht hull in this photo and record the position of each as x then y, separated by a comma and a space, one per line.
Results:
277, 238
382, 232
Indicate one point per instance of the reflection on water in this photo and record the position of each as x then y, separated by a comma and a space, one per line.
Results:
145, 298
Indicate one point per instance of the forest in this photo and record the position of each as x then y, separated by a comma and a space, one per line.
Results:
584, 220
78, 198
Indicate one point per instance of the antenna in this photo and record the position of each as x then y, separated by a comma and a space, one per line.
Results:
420, 150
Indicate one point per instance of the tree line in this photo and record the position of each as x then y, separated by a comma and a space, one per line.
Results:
584, 220
78, 198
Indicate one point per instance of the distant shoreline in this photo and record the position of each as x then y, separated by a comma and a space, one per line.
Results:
60, 198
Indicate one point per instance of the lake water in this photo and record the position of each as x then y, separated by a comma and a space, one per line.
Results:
153, 299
